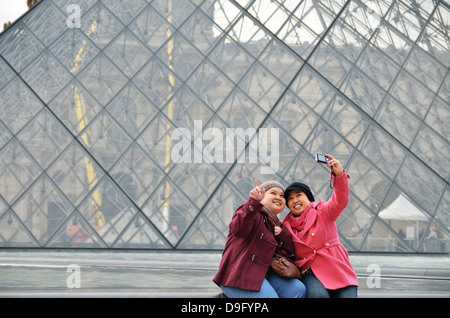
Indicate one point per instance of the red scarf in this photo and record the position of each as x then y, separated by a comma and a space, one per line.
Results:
298, 223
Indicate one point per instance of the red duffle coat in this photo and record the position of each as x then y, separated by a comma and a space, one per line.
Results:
250, 246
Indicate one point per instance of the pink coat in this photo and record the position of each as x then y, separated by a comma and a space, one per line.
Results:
318, 245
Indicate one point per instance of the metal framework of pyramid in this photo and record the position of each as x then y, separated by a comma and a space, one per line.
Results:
91, 93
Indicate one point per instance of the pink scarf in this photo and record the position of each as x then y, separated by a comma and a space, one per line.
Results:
297, 223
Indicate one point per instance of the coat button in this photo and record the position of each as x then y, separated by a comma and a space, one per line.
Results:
250, 208
313, 234
253, 257
327, 244
261, 236
314, 251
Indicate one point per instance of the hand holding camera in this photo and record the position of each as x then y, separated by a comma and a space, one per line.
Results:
331, 163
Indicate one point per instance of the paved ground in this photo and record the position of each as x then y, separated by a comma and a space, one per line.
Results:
69, 274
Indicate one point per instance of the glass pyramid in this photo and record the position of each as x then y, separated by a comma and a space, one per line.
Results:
114, 119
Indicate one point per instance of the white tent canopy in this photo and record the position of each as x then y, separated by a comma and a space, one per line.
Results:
402, 209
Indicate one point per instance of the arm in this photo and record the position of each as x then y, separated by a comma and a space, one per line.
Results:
243, 218
341, 192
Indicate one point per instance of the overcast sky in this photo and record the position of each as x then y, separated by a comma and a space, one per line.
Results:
11, 10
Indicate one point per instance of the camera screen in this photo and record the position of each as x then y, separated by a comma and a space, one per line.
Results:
321, 158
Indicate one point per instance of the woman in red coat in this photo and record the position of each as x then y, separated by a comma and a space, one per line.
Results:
325, 265
255, 236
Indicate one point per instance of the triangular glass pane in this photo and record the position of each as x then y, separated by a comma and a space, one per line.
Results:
19, 46
76, 232
262, 86
46, 21
6, 73
17, 170
42, 143
203, 234
141, 234
74, 50
108, 210
125, 10
43, 208
100, 25
210, 84
383, 239
170, 211
137, 175
105, 140
156, 140
354, 222
103, 79
75, 173
151, 28
128, 53
132, 110
19, 104
13, 233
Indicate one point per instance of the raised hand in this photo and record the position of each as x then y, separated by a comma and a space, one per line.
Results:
334, 165
257, 193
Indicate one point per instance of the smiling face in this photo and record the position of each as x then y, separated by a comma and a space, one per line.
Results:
297, 202
274, 199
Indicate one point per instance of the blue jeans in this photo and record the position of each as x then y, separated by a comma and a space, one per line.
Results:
315, 289
273, 286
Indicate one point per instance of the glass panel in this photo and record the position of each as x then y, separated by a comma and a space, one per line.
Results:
19, 47
368, 183
19, 105
346, 119
125, 10
141, 234
75, 107
74, 50
105, 140
433, 150
75, 173
211, 85
100, 25
151, 28
281, 61
17, 170
262, 87
137, 175
46, 76
44, 138
382, 150
438, 117
231, 59
128, 53
103, 79
392, 43
354, 222
43, 208
107, 210
132, 110
427, 196
170, 211
46, 22
399, 121
76, 232
6, 73
180, 56
157, 82
14, 233
412, 94
295, 117
313, 90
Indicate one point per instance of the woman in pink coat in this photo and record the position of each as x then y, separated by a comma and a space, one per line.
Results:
324, 262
